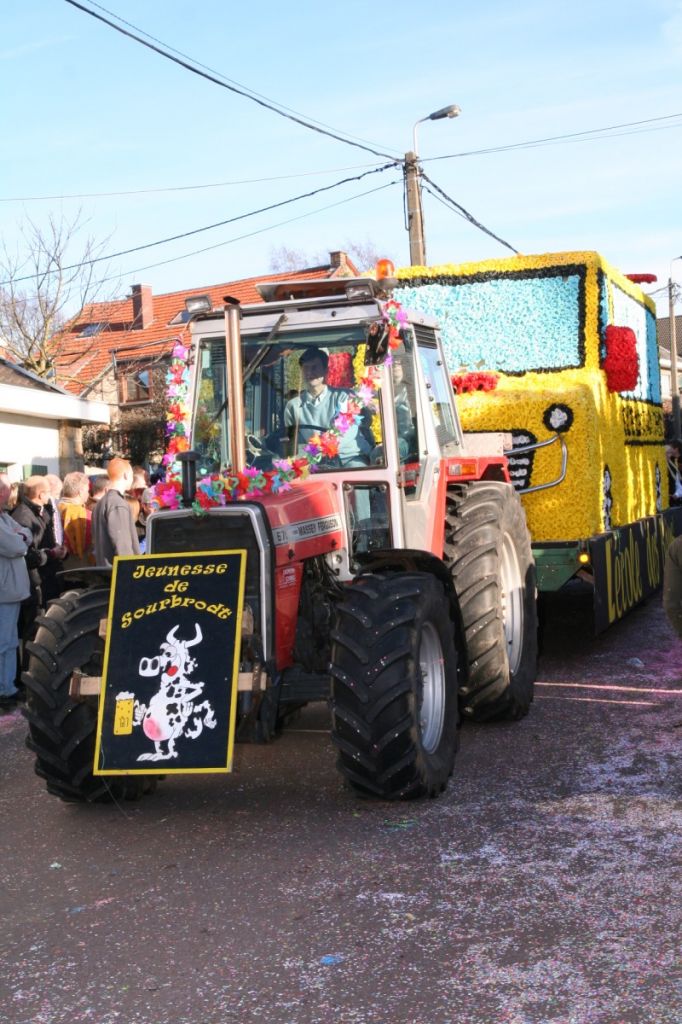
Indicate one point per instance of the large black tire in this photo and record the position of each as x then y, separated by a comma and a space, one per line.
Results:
394, 686
61, 731
487, 548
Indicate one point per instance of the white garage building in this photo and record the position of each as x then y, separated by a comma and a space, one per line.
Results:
40, 424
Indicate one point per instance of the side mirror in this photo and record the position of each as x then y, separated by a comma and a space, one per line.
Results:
376, 337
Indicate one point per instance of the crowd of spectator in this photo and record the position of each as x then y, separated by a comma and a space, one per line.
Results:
49, 525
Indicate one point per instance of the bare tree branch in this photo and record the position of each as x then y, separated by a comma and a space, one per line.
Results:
363, 254
33, 314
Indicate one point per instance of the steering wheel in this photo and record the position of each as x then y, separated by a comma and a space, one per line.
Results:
254, 445
258, 452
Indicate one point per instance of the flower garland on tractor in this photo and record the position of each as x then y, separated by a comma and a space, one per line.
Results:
220, 488
177, 392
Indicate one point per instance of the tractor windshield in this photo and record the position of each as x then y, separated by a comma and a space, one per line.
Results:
305, 395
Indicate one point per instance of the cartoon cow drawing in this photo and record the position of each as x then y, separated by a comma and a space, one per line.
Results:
173, 711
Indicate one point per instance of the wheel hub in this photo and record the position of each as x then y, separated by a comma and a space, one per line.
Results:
512, 602
432, 670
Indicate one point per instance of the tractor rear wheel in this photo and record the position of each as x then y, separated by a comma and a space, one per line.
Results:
487, 548
394, 676
61, 731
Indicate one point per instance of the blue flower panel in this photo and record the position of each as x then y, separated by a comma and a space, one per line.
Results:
511, 323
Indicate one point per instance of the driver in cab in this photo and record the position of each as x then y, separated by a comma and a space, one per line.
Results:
316, 407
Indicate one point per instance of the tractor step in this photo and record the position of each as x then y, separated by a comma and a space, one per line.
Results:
299, 687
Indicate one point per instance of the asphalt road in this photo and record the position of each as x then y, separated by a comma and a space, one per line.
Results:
543, 888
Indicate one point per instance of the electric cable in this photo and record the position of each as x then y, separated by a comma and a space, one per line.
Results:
459, 209
572, 136
250, 234
225, 85
196, 231
213, 71
180, 188
529, 144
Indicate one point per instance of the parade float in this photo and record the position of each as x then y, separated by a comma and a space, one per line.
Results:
559, 352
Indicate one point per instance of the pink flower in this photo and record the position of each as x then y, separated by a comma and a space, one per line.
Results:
344, 421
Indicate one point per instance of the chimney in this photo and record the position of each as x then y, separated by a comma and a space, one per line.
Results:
338, 260
143, 306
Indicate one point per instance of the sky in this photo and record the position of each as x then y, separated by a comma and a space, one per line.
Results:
92, 111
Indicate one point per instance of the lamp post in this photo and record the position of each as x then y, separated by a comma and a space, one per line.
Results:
415, 215
674, 385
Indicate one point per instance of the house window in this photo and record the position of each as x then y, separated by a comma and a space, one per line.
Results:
90, 330
134, 386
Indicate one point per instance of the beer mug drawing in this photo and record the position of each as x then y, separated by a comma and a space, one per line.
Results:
123, 714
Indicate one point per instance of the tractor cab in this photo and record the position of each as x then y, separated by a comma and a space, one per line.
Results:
313, 379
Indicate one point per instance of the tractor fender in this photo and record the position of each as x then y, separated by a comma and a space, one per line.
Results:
87, 577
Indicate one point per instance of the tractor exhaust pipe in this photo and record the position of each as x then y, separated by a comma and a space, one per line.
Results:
235, 384
188, 461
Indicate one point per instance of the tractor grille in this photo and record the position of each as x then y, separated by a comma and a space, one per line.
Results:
241, 526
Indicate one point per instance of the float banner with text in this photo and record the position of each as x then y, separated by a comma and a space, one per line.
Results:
171, 663
628, 564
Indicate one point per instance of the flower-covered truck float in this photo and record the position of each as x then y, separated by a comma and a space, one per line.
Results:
559, 352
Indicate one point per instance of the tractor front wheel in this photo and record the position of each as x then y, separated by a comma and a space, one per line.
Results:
394, 686
61, 730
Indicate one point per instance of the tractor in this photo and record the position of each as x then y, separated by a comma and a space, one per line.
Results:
388, 564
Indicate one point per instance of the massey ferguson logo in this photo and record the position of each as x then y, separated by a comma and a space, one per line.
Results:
307, 529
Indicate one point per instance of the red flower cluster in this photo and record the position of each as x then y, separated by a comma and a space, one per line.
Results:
475, 381
177, 444
176, 413
340, 371
621, 363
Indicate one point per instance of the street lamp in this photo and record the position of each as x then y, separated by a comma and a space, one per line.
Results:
674, 386
415, 216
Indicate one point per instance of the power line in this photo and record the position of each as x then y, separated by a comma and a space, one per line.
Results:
572, 136
180, 188
207, 227
225, 85
458, 208
213, 71
250, 234
529, 144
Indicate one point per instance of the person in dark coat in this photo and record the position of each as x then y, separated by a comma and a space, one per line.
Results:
43, 554
113, 528
672, 585
51, 582
673, 457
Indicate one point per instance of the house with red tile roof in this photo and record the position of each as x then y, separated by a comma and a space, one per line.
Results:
117, 352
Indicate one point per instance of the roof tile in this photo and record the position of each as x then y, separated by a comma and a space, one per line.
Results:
83, 359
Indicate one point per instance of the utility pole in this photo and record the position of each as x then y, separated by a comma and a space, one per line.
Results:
674, 385
415, 216
413, 191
